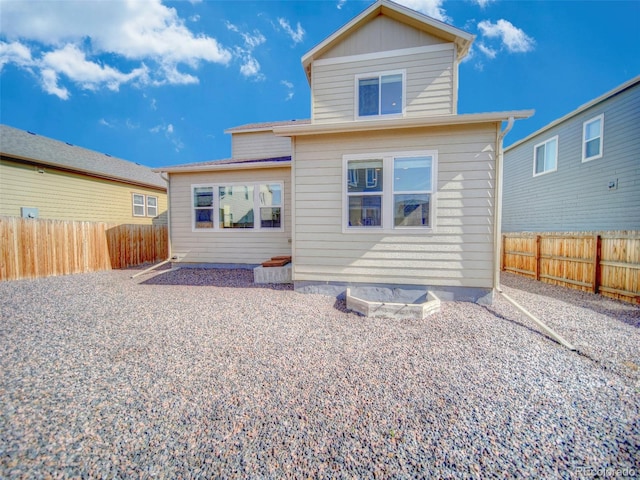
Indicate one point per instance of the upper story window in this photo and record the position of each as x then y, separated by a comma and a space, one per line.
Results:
545, 156
380, 94
251, 206
592, 138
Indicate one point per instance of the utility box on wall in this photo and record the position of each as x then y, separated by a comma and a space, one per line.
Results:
28, 212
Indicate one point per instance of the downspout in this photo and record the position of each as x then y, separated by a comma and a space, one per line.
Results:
170, 257
497, 227
498, 243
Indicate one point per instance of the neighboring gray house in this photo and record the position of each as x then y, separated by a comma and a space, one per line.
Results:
580, 172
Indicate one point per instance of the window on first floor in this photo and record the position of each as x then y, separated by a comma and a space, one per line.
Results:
249, 206
545, 156
592, 138
145, 205
380, 94
390, 191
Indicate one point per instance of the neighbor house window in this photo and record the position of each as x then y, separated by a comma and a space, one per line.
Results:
545, 156
393, 192
152, 206
380, 94
592, 138
138, 205
145, 205
247, 206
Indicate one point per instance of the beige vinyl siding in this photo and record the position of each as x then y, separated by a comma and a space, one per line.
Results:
458, 253
382, 33
233, 245
259, 145
430, 84
64, 195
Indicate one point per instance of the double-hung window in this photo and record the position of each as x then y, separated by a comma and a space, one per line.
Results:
390, 191
248, 206
545, 156
592, 138
145, 205
380, 94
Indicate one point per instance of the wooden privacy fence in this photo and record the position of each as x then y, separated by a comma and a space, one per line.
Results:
33, 248
607, 263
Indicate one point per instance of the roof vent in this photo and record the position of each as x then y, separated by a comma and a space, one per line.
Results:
30, 133
70, 144
107, 155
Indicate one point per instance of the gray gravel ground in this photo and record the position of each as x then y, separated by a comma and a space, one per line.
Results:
201, 374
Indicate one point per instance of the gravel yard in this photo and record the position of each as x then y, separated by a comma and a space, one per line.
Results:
201, 374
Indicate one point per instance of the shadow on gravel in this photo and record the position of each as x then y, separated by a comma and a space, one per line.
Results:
622, 311
212, 277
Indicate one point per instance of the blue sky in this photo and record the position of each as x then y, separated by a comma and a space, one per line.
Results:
157, 83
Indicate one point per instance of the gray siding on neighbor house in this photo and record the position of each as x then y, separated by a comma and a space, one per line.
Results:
577, 196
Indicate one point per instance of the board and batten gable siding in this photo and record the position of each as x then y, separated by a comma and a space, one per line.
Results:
382, 34
459, 252
63, 195
229, 245
430, 75
577, 197
259, 145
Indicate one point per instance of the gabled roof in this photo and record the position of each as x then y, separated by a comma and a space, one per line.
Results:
265, 126
229, 164
462, 39
621, 88
36, 149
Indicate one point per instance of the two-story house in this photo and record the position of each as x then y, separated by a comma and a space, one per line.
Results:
385, 185
581, 172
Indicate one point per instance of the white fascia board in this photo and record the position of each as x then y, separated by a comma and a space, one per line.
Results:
369, 125
226, 166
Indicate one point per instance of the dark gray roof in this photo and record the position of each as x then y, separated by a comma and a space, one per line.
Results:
28, 146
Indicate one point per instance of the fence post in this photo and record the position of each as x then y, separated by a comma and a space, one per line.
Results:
537, 265
597, 252
502, 254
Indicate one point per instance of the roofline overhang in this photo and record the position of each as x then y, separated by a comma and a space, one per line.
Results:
227, 166
79, 171
620, 88
372, 125
462, 39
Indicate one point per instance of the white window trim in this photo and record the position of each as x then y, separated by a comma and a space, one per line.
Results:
584, 140
379, 116
256, 206
388, 193
535, 148
134, 205
147, 206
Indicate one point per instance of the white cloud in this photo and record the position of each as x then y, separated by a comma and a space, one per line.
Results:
512, 38
81, 40
484, 3
73, 63
50, 84
250, 66
341, 4
15, 52
296, 35
488, 51
432, 8
104, 123
289, 86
